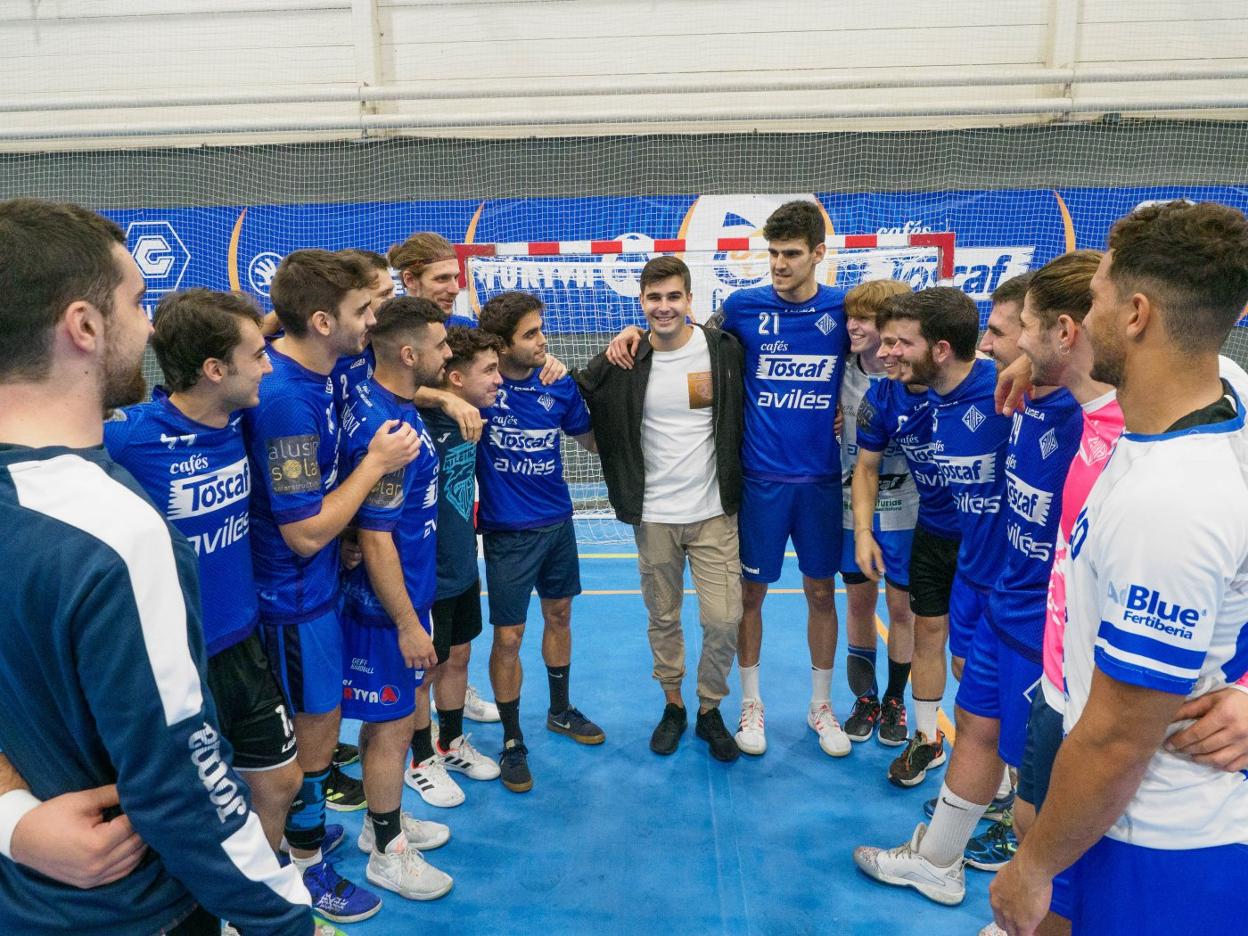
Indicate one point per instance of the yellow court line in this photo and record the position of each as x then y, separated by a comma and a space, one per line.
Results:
941, 718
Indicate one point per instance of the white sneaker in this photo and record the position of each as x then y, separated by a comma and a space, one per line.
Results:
832, 737
421, 834
992, 930
404, 871
905, 867
435, 786
750, 737
227, 929
478, 709
463, 757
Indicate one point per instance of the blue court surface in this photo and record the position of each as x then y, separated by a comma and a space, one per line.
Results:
615, 839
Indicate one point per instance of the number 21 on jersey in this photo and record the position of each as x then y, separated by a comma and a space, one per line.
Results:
769, 323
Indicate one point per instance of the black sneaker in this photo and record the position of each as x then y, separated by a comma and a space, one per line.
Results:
343, 793
710, 728
892, 730
513, 765
576, 726
862, 720
669, 729
345, 754
911, 765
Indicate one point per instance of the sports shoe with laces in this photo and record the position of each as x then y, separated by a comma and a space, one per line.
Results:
513, 766
710, 728
334, 834
576, 726
463, 758
997, 809
832, 737
862, 720
750, 737
435, 786
911, 766
903, 866
421, 834
343, 793
335, 898
345, 754
404, 870
992, 930
892, 729
324, 928
666, 734
477, 708
992, 849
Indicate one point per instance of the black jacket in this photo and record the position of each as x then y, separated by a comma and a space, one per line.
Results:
616, 397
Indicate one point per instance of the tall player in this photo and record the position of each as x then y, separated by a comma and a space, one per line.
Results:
324, 304
889, 524
795, 341
1156, 599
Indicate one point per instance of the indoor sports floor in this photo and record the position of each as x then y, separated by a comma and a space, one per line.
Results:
615, 839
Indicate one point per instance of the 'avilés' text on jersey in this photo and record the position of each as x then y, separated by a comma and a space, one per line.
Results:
519, 465
794, 355
897, 504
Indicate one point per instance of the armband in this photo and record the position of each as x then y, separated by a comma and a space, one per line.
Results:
14, 805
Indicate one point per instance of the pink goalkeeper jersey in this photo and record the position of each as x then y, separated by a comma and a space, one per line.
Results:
1102, 425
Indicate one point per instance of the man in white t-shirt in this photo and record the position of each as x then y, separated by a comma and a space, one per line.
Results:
669, 435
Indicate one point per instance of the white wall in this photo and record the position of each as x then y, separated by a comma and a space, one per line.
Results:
56, 50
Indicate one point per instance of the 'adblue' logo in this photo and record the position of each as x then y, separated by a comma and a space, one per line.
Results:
1144, 605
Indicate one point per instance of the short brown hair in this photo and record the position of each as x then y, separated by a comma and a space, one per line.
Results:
1013, 289
661, 268
1192, 261
51, 255
943, 313
375, 260
797, 220
310, 281
420, 250
503, 313
865, 299
467, 343
1063, 286
195, 325
402, 317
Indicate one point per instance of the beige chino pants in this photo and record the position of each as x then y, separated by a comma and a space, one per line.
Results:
714, 560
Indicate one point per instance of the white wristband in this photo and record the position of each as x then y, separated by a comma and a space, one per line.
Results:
13, 805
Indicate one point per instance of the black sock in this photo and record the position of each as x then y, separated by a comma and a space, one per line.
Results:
422, 744
450, 726
509, 715
898, 676
386, 826
860, 669
557, 676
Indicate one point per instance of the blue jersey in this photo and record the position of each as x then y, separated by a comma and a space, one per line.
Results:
102, 680
351, 371
292, 441
199, 477
891, 415
794, 355
969, 440
1044, 437
457, 535
519, 464
404, 502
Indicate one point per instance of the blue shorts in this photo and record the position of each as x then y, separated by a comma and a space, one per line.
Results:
1044, 737
307, 660
1126, 890
516, 561
894, 545
377, 686
968, 605
772, 512
998, 682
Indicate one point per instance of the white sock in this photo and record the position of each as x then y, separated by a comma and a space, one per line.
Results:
749, 682
820, 685
1006, 784
302, 864
925, 717
951, 828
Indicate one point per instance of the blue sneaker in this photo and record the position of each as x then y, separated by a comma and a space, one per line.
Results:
992, 850
997, 809
335, 898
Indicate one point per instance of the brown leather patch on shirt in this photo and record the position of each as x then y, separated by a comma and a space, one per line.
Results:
701, 392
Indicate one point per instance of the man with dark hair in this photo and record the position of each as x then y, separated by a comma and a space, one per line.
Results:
1156, 599
472, 375
102, 672
387, 598
297, 514
795, 341
669, 434
1000, 341
526, 521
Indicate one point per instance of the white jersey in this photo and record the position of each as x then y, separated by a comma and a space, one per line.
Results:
897, 504
1157, 596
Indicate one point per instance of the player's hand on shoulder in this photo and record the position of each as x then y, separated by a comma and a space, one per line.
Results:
69, 839
467, 416
554, 369
623, 347
394, 444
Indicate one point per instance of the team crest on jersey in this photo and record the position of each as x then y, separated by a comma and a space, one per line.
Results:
825, 323
1048, 444
547, 401
973, 418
